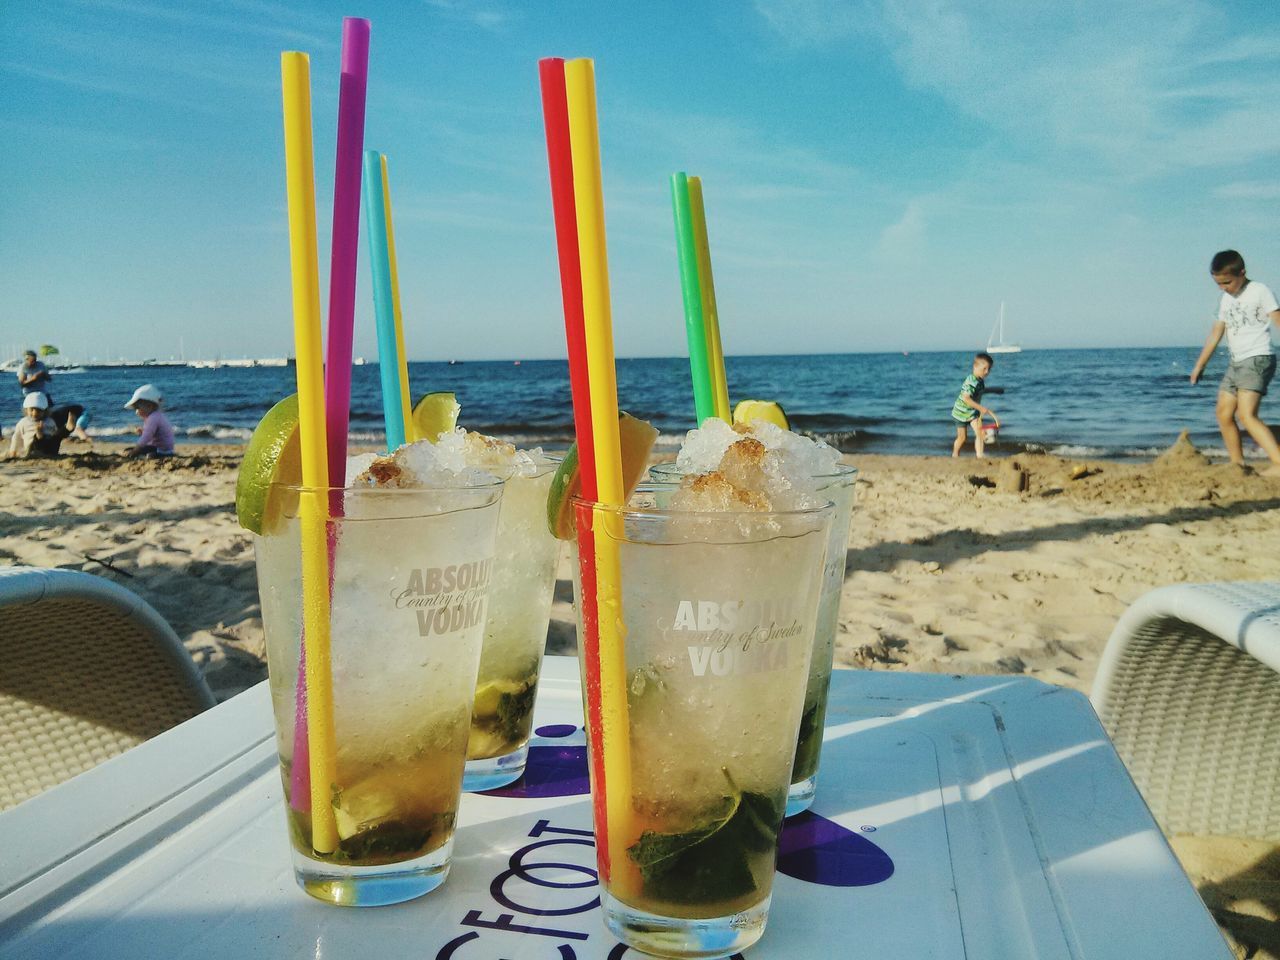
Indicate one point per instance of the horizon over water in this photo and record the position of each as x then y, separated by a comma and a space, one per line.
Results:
1101, 403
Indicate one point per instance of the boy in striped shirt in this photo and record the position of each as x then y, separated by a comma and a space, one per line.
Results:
968, 408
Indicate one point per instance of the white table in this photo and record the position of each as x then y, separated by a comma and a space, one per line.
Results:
976, 817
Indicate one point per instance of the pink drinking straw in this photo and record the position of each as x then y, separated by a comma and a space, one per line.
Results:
342, 311
346, 243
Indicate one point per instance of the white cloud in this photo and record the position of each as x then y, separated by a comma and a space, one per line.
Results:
113, 88
747, 162
904, 240
1143, 86
481, 13
228, 64
1249, 190
81, 137
251, 25
816, 22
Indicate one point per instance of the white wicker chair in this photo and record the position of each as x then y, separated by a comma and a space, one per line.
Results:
1189, 689
87, 670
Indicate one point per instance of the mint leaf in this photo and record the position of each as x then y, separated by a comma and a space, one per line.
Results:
653, 852
808, 745
711, 861
393, 841
759, 820
514, 710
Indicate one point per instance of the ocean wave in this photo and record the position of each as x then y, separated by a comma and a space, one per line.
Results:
1080, 451
1147, 451
905, 436
205, 431
1066, 449
555, 437
244, 406
828, 422
217, 431
846, 441
112, 431
556, 431
1220, 453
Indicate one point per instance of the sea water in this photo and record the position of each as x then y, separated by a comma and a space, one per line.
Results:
1084, 403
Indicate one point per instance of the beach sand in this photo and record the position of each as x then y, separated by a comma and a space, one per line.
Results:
949, 569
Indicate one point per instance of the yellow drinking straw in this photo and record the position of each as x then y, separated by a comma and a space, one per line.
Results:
409, 433
295, 72
584, 139
710, 317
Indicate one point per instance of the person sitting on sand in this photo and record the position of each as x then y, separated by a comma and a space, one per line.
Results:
34, 376
32, 430
1245, 313
157, 431
968, 410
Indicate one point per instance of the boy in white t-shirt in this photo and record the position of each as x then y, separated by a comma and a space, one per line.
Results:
1245, 314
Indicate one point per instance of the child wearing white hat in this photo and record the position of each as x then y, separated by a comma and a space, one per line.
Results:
157, 431
33, 427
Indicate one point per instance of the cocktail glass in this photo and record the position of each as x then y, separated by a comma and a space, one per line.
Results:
838, 486
411, 572
708, 630
515, 636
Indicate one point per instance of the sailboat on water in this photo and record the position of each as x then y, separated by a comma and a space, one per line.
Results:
995, 342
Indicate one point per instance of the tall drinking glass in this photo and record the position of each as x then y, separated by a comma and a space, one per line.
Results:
524, 577
837, 486
411, 571
692, 735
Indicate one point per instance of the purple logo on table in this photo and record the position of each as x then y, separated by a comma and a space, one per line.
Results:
819, 850
811, 847
555, 769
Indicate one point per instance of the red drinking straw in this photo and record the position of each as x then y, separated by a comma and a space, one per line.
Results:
342, 306
555, 113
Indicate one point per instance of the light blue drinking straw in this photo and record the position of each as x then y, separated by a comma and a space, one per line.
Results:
375, 213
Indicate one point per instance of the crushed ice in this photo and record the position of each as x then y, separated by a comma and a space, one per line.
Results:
457, 458
751, 468
358, 464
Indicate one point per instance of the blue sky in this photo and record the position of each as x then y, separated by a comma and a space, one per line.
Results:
879, 175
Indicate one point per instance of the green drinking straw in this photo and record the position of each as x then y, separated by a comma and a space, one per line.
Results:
704, 402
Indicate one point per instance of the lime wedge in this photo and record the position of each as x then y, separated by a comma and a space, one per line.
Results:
749, 410
564, 485
273, 456
488, 695
434, 414
637, 438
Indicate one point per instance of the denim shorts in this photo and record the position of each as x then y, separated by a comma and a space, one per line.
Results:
1251, 373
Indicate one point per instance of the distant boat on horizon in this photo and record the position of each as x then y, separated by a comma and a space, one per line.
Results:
995, 342
219, 362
